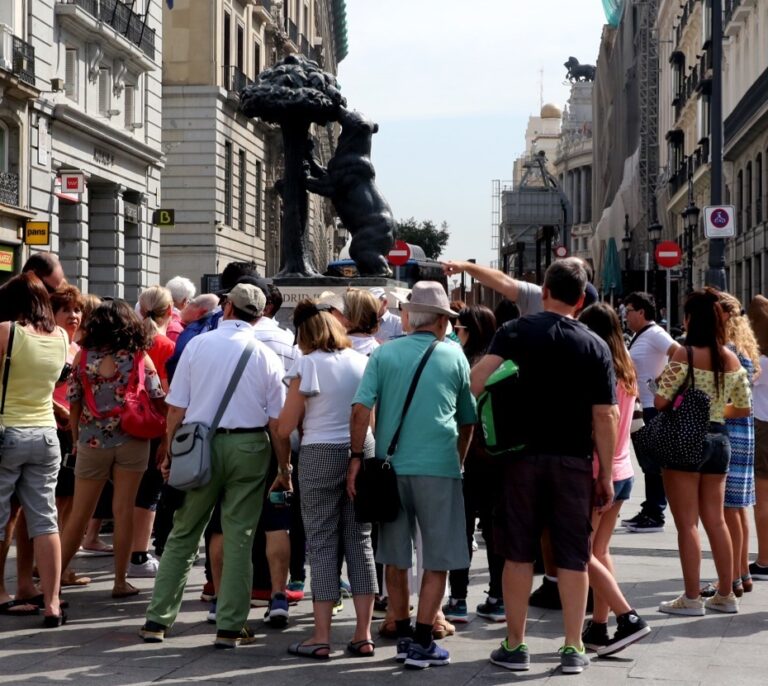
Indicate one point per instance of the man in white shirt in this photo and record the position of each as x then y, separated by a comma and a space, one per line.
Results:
650, 348
390, 325
240, 454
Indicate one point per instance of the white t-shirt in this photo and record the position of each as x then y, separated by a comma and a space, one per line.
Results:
329, 381
649, 355
760, 392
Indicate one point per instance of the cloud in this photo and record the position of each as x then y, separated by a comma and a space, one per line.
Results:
420, 59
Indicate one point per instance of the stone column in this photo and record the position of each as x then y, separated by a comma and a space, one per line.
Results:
73, 241
583, 195
141, 261
106, 247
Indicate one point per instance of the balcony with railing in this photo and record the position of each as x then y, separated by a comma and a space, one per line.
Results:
235, 79
122, 19
736, 13
9, 189
690, 85
293, 32
17, 56
689, 166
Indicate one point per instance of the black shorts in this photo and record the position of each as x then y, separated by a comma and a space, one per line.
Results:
717, 452
546, 492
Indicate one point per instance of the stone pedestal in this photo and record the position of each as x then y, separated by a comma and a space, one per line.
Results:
296, 289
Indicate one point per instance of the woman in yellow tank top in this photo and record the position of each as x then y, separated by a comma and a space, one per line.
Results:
700, 494
30, 448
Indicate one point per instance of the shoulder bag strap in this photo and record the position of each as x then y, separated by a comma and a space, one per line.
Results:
409, 397
690, 379
7, 367
638, 334
233, 383
88, 397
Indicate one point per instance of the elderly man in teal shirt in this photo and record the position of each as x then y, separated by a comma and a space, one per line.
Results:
435, 434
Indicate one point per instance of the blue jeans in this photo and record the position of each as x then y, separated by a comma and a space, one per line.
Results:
655, 497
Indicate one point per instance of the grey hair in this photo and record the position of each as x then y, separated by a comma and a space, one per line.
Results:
418, 319
206, 301
181, 288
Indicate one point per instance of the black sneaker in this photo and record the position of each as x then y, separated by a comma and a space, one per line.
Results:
152, 632
633, 520
546, 596
630, 628
646, 525
595, 635
758, 572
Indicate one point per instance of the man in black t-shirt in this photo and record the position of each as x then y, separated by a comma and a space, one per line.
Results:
568, 386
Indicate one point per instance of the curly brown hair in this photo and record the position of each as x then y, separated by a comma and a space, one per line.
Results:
64, 296
114, 326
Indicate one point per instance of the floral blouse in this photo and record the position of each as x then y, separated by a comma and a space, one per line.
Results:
108, 393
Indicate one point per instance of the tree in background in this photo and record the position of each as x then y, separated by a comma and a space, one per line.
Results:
424, 234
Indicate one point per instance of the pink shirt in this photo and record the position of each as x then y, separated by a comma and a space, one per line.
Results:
622, 464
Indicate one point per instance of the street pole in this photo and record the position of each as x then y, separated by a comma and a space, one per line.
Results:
669, 297
716, 271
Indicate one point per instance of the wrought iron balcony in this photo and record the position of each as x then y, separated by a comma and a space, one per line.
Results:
23, 61
235, 80
9, 189
122, 19
293, 32
688, 9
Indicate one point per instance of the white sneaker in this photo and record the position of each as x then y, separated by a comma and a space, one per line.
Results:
146, 570
722, 603
692, 607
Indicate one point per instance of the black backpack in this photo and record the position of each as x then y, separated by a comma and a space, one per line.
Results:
498, 407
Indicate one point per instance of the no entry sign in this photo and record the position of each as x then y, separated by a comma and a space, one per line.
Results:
399, 254
668, 254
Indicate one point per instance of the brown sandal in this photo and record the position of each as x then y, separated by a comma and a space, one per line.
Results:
442, 628
124, 591
70, 578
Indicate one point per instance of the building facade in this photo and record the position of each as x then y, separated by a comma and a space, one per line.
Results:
97, 65
222, 167
18, 90
573, 166
745, 143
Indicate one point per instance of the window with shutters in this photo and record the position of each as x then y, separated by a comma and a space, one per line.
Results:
241, 190
70, 74
130, 106
228, 183
257, 212
104, 91
256, 59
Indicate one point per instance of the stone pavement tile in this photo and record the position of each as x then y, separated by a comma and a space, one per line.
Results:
681, 668
717, 675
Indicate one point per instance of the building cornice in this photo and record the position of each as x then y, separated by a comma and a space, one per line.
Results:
84, 124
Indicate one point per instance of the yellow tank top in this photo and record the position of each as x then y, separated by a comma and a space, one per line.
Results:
36, 364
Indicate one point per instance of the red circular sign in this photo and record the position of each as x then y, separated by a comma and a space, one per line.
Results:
668, 254
560, 251
400, 253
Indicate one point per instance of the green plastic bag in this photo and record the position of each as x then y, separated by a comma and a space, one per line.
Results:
497, 407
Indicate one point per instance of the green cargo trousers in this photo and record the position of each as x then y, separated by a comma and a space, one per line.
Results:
239, 464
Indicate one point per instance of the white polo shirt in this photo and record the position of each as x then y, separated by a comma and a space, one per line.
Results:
207, 365
649, 355
278, 340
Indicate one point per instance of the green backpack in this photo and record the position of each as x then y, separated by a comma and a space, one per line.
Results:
497, 407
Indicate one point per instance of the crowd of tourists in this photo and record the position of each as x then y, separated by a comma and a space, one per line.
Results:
352, 446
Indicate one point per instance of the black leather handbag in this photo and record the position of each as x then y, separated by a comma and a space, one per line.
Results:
377, 498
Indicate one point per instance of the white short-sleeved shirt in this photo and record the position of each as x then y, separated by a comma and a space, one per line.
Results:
278, 340
206, 367
329, 381
760, 392
390, 327
364, 345
649, 355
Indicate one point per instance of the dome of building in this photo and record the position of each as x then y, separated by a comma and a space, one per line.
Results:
550, 111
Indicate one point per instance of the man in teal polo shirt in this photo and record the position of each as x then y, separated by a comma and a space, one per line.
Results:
433, 442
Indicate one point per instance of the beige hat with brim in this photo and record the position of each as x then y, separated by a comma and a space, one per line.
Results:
430, 297
334, 300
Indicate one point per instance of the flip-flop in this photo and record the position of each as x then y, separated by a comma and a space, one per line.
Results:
354, 648
39, 600
310, 650
73, 579
6, 608
127, 593
102, 551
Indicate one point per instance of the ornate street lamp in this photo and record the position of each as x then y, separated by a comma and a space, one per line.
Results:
691, 218
654, 234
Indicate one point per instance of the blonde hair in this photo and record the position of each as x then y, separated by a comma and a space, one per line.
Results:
318, 330
89, 303
362, 311
738, 330
155, 302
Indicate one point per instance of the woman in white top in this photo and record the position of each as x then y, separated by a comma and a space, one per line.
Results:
362, 313
321, 387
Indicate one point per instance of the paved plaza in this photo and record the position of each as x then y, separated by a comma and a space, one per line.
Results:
100, 645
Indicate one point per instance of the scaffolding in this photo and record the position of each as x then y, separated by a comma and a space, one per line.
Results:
648, 84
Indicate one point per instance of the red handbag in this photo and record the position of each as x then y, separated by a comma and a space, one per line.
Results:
138, 416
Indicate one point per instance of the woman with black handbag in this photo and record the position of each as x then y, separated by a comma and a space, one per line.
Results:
697, 491
322, 384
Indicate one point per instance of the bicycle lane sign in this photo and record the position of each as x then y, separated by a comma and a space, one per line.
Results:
719, 221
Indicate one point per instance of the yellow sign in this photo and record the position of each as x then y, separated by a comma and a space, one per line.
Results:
165, 218
6, 259
37, 233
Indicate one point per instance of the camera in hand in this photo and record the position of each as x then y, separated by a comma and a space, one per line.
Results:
281, 498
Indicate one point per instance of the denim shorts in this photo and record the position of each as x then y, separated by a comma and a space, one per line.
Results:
30, 458
622, 489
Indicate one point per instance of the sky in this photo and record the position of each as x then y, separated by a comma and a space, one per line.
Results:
451, 84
